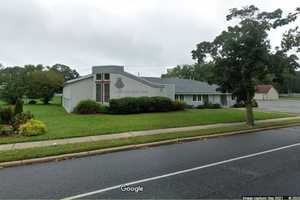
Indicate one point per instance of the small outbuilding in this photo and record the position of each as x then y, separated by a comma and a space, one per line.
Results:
266, 92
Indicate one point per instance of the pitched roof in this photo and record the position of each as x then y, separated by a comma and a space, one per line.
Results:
185, 86
263, 88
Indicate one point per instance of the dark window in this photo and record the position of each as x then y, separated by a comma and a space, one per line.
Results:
194, 97
205, 99
99, 77
106, 76
199, 97
106, 93
176, 97
181, 98
99, 92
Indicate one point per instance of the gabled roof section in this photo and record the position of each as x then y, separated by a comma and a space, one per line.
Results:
185, 86
79, 79
263, 89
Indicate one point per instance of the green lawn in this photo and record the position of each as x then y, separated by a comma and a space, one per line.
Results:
13, 155
63, 125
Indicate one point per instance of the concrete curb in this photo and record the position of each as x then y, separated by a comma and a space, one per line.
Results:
132, 147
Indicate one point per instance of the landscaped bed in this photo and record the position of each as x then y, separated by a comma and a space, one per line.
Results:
63, 125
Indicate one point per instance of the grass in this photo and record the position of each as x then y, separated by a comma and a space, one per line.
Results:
13, 155
64, 125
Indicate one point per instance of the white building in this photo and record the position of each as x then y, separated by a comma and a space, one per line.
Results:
111, 82
266, 92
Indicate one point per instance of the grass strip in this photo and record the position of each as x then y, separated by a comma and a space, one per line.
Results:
13, 155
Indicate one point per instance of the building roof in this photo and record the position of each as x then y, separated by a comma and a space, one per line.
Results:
264, 89
185, 86
79, 79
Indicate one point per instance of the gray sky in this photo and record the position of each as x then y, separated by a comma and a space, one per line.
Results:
146, 36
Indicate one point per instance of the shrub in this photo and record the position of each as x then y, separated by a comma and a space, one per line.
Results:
6, 114
209, 106
32, 102
146, 104
19, 106
179, 105
129, 105
6, 130
20, 119
241, 104
162, 104
87, 107
126, 105
32, 128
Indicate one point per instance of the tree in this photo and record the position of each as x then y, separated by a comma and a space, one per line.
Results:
199, 72
12, 84
44, 84
67, 72
242, 53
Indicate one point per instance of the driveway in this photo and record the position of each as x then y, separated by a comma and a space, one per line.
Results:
258, 164
281, 105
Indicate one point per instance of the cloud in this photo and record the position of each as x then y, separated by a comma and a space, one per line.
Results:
145, 35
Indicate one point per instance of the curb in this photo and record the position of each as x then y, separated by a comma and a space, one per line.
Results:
132, 147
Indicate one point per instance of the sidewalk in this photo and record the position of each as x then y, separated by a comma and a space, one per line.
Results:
44, 143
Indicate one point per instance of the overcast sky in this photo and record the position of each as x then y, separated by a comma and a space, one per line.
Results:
146, 36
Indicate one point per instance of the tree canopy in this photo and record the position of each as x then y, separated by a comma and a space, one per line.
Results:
242, 54
34, 81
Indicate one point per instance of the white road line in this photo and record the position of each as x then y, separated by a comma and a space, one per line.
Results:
179, 172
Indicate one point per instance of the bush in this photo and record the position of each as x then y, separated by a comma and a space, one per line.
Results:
126, 105
179, 105
129, 105
6, 130
20, 119
6, 114
18, 107
241, 104
209, 106
87, 107
162, 104
32, 128
32, 102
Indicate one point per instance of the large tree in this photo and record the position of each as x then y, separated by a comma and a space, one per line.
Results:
66, 71
44, 84
12, 83
242, 54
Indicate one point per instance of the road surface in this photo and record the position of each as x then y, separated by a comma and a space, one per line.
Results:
263, 163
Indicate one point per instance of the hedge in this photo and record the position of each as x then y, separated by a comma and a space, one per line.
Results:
129, 105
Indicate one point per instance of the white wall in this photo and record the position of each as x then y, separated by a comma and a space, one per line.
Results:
216, 98
76, 92
271, 95
134, 88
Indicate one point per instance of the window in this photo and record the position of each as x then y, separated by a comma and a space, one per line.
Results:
106, 77
106, 92
194, 97
181, 98
176, 97
99, 92
99, 77
205, 99
199, 97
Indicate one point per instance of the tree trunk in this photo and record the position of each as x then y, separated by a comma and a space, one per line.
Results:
249, 113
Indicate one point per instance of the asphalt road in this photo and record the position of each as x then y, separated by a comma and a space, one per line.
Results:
281, 105
225, 167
